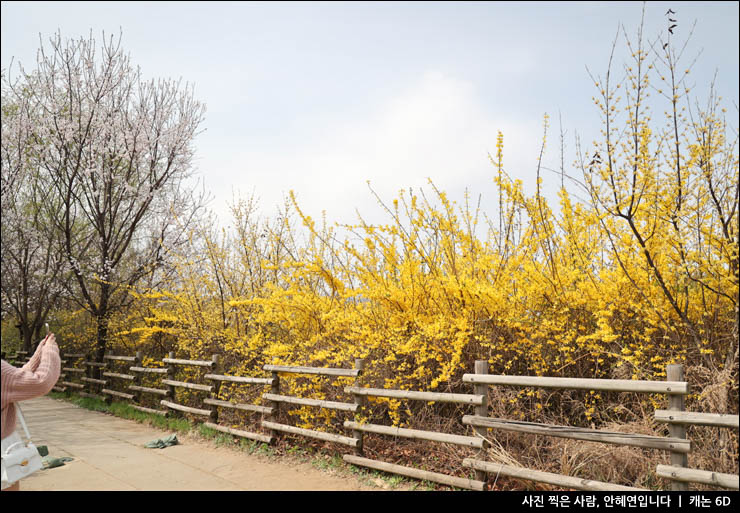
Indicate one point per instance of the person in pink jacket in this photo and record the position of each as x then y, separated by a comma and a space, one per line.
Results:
34, 379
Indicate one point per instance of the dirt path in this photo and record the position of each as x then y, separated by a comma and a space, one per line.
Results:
109, 454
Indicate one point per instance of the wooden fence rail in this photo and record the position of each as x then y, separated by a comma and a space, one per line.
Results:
697, 419
425, 475
605, 385
411, 395
499, 469
196, 363
350, 373
332, 405
690, 475
432, 436
576, 433
191, 386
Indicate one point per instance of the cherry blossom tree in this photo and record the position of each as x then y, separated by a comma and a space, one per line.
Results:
31, 258
116, 152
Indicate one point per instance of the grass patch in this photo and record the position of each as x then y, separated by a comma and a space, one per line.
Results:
220, 439
176, 424
263, 449
125, 411
328, 462
89, 403
255, 447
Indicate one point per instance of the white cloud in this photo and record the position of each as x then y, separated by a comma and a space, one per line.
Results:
436, 128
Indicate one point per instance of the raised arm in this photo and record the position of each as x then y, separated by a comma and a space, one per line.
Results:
34, 379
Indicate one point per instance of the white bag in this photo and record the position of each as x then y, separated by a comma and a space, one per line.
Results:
19, 459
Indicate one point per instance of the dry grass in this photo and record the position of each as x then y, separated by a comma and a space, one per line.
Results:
714, 448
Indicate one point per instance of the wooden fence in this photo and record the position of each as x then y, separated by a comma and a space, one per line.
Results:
111, 380
476, 400
71, 372
277, 400
143, 387
678, 446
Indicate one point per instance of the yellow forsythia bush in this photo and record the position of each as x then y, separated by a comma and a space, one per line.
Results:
640, 272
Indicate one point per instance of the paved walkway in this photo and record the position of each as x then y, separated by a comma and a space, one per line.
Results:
109, 454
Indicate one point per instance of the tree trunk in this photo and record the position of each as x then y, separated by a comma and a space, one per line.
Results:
26, 335
38, 334
102, 339
102, 319
101, 342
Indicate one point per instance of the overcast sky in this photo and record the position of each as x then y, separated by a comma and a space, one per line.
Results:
322, 97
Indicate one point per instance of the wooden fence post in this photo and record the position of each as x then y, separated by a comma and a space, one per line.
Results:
676, 402
171, 388
275, 415
360, 402
481, 367
89, 373
62, 374
108, 367
216, 369
137, 377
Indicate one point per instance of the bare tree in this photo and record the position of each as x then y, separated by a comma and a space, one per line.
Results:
670, 194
